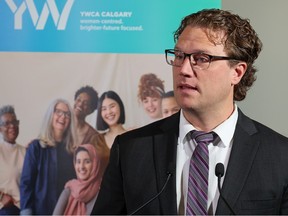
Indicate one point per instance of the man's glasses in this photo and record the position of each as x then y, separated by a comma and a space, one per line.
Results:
197, 60
10, 123
60, 113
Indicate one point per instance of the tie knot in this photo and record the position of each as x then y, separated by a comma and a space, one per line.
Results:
203, 137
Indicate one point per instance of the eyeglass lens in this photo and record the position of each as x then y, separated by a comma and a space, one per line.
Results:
10, 123
59, 113
198, 60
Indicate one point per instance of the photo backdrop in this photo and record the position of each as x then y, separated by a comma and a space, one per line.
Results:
51, 48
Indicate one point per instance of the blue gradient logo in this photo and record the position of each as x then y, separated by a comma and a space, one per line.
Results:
39, 19
93, 26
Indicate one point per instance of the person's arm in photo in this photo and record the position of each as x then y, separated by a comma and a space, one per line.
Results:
28, 180
5, 200
62, 202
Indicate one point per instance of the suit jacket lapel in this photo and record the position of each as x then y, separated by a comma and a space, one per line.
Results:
165, 149
245, 145
244, 149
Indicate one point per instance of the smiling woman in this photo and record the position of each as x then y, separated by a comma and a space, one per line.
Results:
85, 103
11, 157
48, 162
150, 92
111, 116
80, 194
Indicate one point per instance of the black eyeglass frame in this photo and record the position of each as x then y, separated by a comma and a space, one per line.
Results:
60, 113
6, 124
211, 57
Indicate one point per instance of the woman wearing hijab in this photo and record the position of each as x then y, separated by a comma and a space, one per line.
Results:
80, 194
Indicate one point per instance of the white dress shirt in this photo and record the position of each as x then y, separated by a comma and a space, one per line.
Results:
218, 153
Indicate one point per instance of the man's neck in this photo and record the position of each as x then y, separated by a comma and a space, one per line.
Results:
207, 120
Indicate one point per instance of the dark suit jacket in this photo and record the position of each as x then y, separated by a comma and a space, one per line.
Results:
255, 182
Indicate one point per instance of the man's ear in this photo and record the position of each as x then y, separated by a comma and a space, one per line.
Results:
238, 72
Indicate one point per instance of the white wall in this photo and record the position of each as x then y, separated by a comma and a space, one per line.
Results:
267, 100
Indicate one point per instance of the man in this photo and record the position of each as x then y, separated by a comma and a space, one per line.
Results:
212, 68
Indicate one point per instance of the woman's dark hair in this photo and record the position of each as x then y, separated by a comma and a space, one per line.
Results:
168, 94
92, 94
100, 123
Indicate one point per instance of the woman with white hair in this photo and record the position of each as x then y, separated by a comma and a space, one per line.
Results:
48, 163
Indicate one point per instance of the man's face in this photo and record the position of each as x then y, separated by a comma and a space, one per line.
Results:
203, 89
9, 127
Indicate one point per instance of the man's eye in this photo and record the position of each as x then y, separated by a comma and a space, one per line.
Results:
201, 58
179, 55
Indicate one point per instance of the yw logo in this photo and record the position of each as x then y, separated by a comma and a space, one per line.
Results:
39, 21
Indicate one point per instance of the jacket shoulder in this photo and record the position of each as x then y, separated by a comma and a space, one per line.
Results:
253, 127
166, 125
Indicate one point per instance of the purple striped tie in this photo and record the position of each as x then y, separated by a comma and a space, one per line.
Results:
198, 174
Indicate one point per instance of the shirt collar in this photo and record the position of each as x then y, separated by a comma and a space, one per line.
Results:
184, 127
7, 144
225, 130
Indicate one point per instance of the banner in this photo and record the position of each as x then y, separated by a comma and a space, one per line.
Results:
51, 48
95, 26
